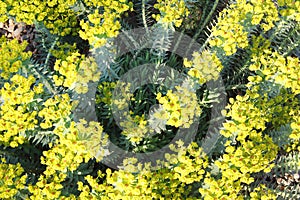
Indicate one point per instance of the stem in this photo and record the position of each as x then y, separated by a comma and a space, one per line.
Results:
204, 24
234, 87
242, 70
45, 81
177, 43
291, 49
49, 52
144, 15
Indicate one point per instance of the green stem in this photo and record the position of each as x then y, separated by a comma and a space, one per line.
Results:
144, 15
291, 47
204, 24
295, 45
49, 52
177, 43
242, 70
45, 81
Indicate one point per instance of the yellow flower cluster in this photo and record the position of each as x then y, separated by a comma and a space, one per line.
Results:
55, 108
188, 164
117, 185
121, 101
101, 26
68, 151
56, 14
76, 71
47, 187
3, 8
290, 9
106, 92
136, 181
262, 193
277, 68
254, 111
252, 156
295, 135
92, 137
68, 70
63, 50
135, 129
204, 67
231, 31
249, 115
220, 189
77, 144
181, 107
171, 11
254, 153
12, 56
281, 107
233, 188
11, 179
265, 12
15, 116
241, 111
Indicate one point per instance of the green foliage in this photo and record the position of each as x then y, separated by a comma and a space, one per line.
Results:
285, 38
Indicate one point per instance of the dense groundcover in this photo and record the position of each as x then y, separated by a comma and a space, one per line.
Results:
149, 99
